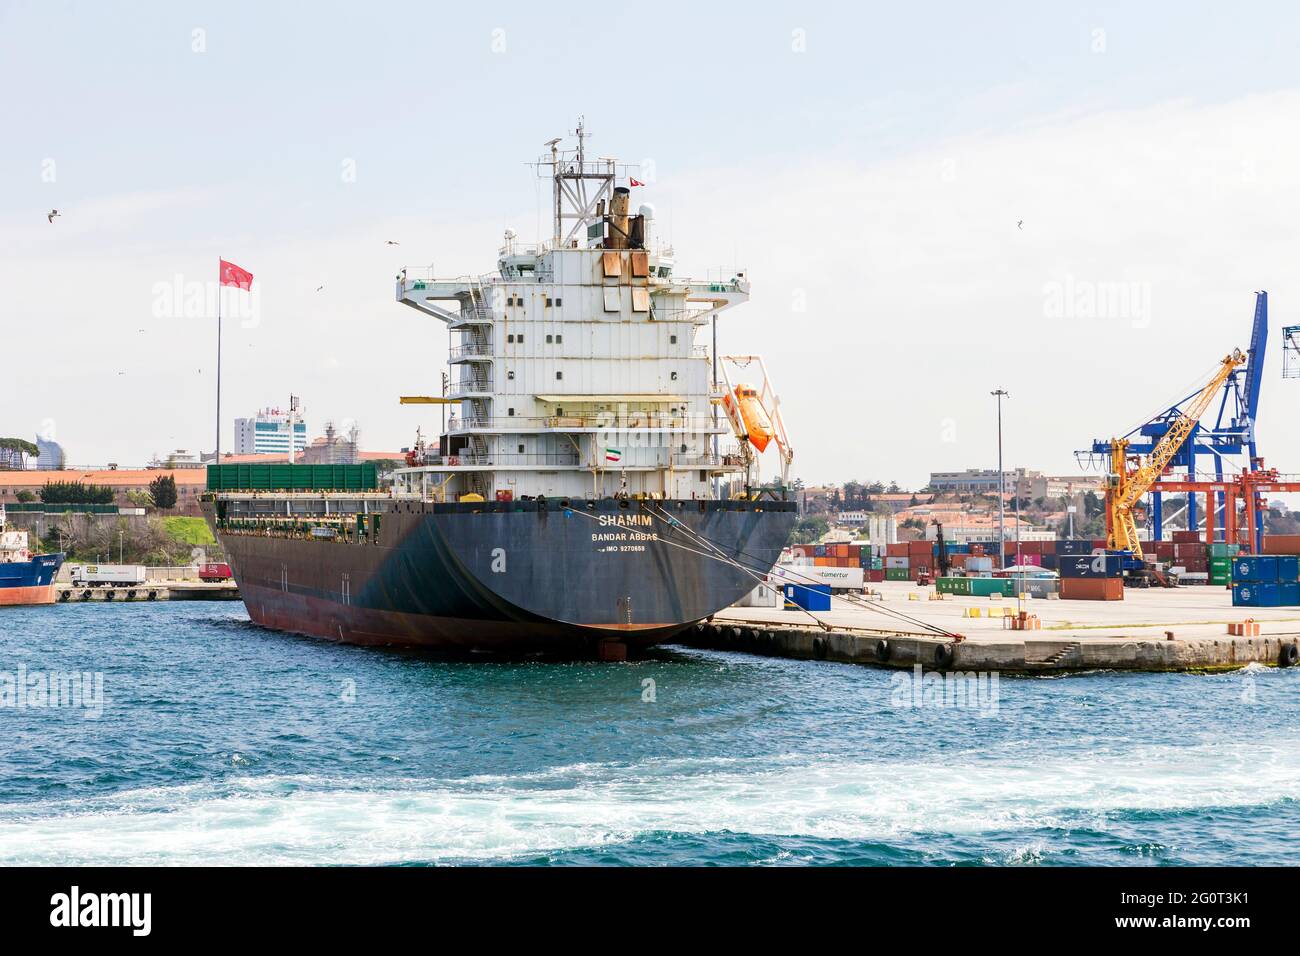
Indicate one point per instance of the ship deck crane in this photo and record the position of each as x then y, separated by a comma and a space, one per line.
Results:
1125, 488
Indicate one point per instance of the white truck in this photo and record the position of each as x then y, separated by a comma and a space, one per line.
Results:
101, 575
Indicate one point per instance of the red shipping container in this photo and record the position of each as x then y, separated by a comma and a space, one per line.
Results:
874, 575
1031, 547
957, 560
1282, 544
1092, 589
1048, 547
896, 550
1186, 537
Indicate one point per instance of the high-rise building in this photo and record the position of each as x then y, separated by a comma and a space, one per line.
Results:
50, 457
268, 433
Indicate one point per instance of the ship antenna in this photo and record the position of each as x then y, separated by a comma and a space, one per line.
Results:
582, 191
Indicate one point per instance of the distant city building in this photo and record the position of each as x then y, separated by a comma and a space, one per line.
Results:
180, 458
268, 433
333, 449
973, 480
1020, 481
51, 457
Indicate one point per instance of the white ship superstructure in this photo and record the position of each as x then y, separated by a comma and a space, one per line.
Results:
574, 370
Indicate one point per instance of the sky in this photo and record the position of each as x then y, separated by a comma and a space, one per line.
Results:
1073, 202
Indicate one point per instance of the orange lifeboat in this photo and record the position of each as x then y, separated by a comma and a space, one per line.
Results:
744, 409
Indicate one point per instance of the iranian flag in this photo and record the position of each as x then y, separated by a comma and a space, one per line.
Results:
614, 454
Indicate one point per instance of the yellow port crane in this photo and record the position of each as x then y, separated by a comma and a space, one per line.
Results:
1124, 489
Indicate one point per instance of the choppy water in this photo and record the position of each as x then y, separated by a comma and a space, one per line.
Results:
221, 742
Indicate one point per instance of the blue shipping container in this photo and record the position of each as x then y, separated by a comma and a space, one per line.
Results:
1074, 546
1288, 567
1255, 568
810, 597
1269, 594
1089, 565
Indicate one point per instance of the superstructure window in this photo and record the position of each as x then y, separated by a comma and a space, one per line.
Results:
510, 338
510, 376
559, 375
674, 376
549, 339
559, 302
559, 339
672, 340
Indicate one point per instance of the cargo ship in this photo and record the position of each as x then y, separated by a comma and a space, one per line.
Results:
577, 499
25, 578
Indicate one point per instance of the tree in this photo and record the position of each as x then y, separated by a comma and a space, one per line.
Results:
809, 530
163, 491
75, 493
140, 498
12, 451
25, 497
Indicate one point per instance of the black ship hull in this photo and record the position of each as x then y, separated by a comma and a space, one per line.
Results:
507, 577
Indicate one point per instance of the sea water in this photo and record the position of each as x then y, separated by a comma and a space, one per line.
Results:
217, 741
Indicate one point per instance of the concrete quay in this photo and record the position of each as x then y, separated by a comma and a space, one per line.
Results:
1185, 629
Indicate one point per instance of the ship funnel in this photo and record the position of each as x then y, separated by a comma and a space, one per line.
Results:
618, 218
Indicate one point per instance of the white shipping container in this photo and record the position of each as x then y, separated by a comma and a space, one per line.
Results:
896, 562
840, 579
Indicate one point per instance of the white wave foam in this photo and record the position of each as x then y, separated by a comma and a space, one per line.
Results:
252, 820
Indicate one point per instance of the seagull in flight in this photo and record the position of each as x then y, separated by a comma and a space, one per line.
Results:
319, 287
389, 242
51, 214
1020, 224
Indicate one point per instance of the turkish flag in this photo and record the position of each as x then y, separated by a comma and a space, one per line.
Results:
231, 274
635, 182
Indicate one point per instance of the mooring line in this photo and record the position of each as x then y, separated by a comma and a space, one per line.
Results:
889, 612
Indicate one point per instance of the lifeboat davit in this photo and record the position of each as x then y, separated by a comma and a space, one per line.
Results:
744, 409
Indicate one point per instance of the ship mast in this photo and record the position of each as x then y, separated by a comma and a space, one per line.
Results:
582, 190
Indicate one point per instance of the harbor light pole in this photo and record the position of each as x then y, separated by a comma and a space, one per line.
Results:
1000, 394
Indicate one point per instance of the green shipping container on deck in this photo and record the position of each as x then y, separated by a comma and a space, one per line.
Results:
287, 477
896, 574
983, 587
952, 585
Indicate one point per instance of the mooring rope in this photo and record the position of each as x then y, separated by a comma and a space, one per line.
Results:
889, 612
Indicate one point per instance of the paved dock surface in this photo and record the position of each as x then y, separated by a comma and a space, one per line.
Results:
1151, 629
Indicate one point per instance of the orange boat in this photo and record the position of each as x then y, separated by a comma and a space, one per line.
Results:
748, 415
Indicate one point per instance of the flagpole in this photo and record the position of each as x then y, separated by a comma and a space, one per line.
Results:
218, 364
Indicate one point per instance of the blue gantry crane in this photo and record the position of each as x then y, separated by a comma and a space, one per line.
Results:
1229, 441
